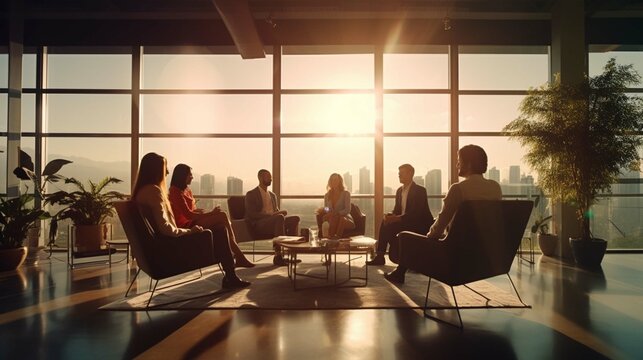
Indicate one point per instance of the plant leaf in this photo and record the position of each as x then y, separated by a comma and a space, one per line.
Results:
54, 166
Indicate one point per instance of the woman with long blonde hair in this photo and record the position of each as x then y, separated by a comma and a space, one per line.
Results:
337, 207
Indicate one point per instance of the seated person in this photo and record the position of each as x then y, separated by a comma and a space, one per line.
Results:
336, 213
472, 163
187, 214
264, 216
410, 213
150, 192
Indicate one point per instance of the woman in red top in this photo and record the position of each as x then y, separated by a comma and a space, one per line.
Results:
186, 214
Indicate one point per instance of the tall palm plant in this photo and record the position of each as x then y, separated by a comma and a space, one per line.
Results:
580, 137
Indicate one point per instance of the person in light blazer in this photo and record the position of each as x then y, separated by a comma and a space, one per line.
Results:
264, 216
337, 208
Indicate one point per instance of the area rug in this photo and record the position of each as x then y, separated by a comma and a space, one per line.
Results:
272, 289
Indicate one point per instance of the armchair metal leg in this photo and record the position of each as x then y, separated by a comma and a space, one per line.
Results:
516, 291
427, 308
151, 295
132, 283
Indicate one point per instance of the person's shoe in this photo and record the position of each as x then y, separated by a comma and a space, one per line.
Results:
243, 262
376, 261
234, 282
280, 261
395, 276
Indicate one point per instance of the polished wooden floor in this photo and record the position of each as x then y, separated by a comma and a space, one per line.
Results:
50, 312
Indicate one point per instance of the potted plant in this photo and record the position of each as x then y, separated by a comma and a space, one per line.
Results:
579, 137
546, 241
16, 217
87, 208
26, 171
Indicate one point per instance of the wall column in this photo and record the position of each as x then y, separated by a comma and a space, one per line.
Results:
14, 102
569, 59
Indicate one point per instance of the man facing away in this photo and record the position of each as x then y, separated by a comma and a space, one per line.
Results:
472, 163
263, 214
411, 213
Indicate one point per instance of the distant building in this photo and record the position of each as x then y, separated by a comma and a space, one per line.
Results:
514, 174
418, 180
388, 190
365, 186
235, 186
527, 180
493, 174
207, 188
348, 181
196, 187
433, 182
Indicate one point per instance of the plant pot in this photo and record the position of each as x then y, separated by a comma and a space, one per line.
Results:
588, 253
548, 244
10, 259
89, 237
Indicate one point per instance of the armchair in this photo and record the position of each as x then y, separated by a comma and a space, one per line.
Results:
482, 242
358, 217
159, 256
242, 231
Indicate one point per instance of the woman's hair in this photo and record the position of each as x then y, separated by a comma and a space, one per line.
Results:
341, 181
152, 171
180, 175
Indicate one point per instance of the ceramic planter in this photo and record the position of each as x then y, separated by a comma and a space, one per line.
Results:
548, 244
588, 253
10, 259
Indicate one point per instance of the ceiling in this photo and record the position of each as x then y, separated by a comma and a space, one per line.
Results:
294, 22
318, 9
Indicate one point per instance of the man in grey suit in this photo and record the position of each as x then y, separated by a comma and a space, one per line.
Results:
264, 216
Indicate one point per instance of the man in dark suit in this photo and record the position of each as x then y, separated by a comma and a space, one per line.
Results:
411, 213
264, 216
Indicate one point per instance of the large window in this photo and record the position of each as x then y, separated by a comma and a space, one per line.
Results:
618, 216
416, 119
314, 115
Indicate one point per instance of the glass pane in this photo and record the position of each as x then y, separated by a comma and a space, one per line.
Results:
417, 71
88, 113
3, 164
4, 106
600, 54
327, 71
206, 114
334, 114
214, 160
429, 157
108, 71
416, 113
324, 156
200, 71
502, 68
4, 70
619, 219
488, 112
29, 70
93, 158
28, 113
506, 165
